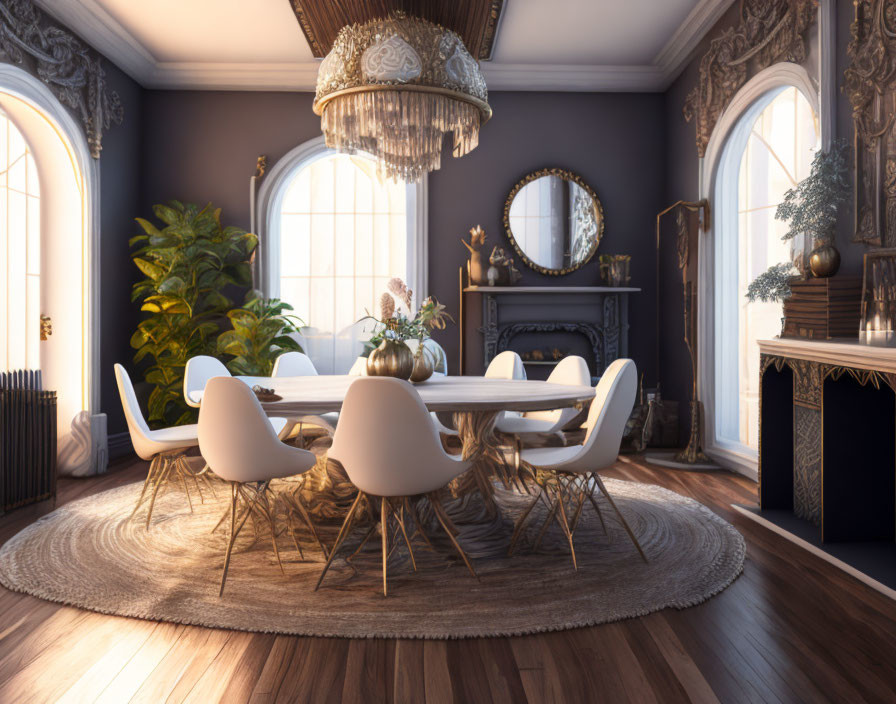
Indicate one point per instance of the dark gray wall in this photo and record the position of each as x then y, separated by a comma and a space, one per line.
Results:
202, 146
120, 179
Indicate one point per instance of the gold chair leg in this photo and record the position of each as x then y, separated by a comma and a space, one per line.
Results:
343, 532
418, 524
296, 501
628, 530
183, 483
580, 503
544, 526
384, 532
518, 529
600, 515
444, 521
262, 491
295, 538
151, 475
163, 477
364, 541
564, 524
399, 515
233, 534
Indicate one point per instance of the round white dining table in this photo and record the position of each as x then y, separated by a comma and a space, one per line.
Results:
475, 403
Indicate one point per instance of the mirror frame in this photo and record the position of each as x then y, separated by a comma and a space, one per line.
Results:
566, 175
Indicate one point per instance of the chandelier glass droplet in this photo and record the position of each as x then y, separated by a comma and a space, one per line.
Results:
394, 88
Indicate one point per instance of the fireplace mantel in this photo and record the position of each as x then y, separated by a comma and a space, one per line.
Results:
550, 289
588, 320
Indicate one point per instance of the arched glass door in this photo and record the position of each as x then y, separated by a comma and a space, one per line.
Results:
767, 154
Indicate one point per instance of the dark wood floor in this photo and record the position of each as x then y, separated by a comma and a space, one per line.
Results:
791, 628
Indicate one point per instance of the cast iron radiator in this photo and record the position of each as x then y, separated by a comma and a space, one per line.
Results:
27, 440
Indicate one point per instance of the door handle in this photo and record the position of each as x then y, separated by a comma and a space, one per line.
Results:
46, 327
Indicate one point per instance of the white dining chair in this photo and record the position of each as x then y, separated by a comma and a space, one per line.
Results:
359, 367
390, 450
198, 371
293, 364
241, 447
574, 468
435, 351
300, 364
570, 371
506, 365
164, 448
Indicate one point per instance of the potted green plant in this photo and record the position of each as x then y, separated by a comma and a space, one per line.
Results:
812, 207
260, 334
187, 264
772, 285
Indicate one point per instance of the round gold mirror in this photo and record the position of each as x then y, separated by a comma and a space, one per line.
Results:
554, 221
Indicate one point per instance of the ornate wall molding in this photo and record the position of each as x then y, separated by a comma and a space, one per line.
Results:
72, 70
770, 31
870, 82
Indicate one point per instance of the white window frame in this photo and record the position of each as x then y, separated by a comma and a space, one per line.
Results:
270, 202
719, 171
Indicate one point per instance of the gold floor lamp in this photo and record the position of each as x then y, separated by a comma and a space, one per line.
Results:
688, 214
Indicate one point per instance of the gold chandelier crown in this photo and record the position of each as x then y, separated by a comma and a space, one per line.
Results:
394, 87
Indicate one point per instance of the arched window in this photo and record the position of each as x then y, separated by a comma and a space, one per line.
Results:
335, 235
19, 250
49, 205
767, 149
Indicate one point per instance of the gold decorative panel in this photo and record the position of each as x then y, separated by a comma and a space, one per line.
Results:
870, 82
769, 31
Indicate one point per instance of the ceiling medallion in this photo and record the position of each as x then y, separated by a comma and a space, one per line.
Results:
394, 88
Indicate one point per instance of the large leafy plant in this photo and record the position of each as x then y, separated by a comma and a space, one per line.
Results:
189, 263
261, 330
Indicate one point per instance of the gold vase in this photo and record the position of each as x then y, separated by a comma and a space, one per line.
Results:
391, 358
423, 365
825, 261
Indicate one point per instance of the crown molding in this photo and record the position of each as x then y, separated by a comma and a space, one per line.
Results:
100, 29
89, 20
555, 77
673, 57
234, 76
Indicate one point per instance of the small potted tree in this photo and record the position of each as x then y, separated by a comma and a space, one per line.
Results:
811, 209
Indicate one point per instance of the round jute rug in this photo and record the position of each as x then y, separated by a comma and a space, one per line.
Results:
87, 554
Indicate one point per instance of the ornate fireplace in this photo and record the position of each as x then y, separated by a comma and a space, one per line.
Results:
544, 324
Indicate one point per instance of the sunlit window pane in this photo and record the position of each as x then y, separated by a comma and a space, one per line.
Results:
778, 155
19, 251
339, 228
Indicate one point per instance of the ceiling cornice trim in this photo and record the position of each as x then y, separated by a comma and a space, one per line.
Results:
234, 76
673, 57
555, 77
100, 29
103, 32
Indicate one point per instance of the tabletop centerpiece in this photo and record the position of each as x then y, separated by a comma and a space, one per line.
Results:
390, 354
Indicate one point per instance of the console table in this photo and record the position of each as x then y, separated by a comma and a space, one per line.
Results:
591, 320
827, 436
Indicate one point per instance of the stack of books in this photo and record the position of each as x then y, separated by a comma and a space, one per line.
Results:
819, 309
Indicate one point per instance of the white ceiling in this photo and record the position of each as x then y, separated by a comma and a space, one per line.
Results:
585, 45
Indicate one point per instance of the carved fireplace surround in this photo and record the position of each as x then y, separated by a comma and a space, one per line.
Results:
587, 320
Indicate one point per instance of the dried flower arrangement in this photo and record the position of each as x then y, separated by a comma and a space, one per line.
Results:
394, 324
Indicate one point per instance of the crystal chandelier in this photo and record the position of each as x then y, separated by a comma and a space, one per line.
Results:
394, 88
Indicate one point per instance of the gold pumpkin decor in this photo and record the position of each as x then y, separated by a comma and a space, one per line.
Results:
423, 365
391, 358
